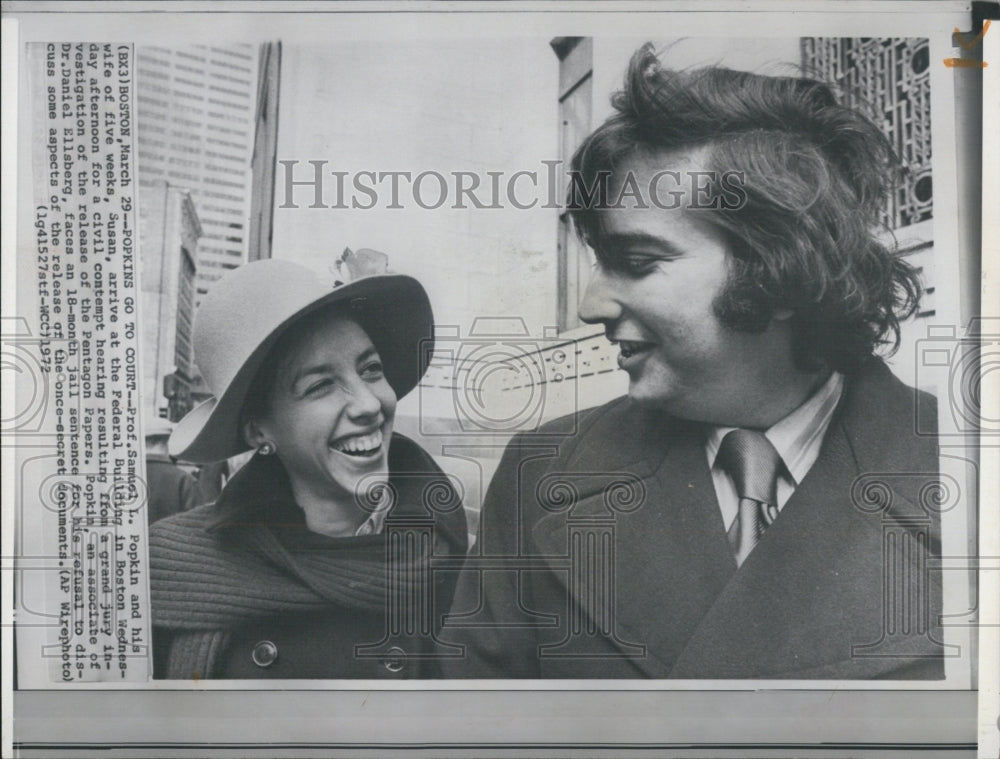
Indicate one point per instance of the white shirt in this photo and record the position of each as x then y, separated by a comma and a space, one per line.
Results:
797, 438
375, 522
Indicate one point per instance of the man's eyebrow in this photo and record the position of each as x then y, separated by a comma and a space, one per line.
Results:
618, 239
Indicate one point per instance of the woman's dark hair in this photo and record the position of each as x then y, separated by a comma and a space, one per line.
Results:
815, 175
261, 391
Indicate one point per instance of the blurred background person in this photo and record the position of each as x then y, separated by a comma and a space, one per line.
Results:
169, 488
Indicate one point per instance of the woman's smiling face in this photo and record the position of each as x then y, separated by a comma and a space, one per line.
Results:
330, 410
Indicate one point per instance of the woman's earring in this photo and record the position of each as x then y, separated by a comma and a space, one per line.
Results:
266, 449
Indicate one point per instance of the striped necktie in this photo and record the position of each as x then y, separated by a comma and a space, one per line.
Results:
753, 463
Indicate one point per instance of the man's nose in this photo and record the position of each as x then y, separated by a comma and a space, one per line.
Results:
599, 303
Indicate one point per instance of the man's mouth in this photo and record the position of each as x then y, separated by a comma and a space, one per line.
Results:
629, 348
359, 446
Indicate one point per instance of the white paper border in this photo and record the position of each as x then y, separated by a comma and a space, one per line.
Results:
596, 19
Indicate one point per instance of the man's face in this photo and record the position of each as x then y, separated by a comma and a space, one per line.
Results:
663, 270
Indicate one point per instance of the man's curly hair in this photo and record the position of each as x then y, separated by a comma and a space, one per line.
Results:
816, 174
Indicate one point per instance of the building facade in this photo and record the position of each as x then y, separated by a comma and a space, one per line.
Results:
196, 108
197, 124
169, 230
265, 148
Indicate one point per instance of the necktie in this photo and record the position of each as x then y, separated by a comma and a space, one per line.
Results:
753, 463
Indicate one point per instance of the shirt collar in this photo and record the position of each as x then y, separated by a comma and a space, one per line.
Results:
375, 522
797, 436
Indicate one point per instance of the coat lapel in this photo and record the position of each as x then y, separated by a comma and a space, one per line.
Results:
785, 608
669, 549
675, 556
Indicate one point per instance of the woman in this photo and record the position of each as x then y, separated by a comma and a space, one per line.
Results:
301, 567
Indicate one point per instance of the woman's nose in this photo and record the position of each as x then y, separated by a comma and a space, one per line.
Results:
363, 402
600, 303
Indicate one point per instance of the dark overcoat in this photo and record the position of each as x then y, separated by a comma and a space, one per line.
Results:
602, 554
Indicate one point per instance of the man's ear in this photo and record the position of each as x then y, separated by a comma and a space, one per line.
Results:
253, 434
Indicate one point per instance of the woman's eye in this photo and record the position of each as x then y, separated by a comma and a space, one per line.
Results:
319, 386
373, 370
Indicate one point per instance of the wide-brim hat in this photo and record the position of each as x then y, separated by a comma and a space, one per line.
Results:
248, 310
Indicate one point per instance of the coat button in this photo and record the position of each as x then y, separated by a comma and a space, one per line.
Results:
393, 660
264, 654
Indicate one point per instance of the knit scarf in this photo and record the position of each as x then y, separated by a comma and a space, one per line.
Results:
249, 556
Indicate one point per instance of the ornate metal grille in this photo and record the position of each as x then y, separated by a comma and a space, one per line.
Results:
892, 78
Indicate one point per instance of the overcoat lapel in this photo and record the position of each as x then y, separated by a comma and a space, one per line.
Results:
785, 608
670, 551
675, 555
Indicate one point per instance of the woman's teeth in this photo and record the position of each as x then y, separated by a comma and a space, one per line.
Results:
361, 445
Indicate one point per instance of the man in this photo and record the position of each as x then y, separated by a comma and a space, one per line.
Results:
169, 488
757, 506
